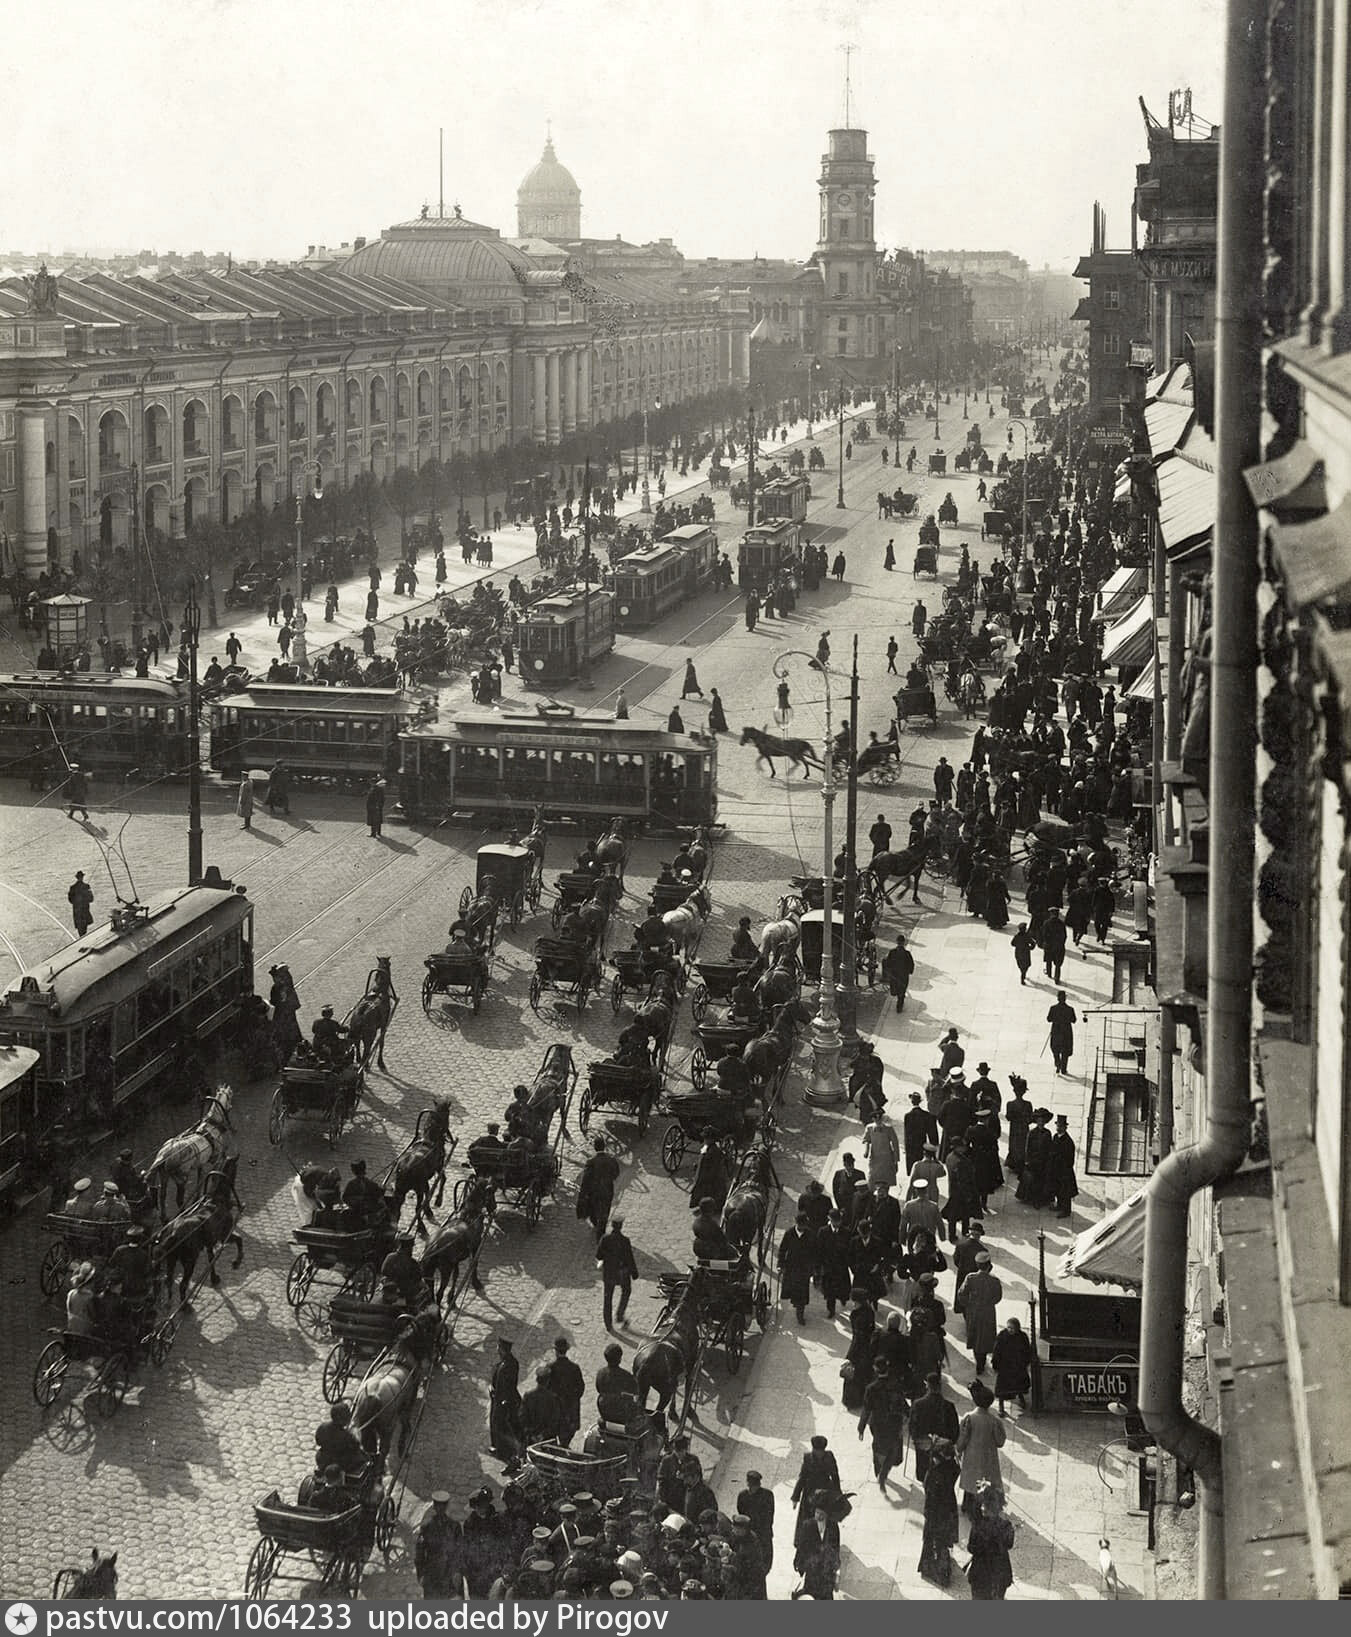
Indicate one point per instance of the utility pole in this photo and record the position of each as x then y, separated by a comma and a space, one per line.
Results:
750, 467
135, 558
846, 990
584, 681
192, 629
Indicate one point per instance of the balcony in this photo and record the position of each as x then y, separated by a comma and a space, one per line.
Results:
299, 432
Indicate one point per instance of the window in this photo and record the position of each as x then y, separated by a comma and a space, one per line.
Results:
843, 346
1111, 345
841, 228
1111, 299
843, 284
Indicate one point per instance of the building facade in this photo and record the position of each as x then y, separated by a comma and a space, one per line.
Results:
847, 311
197, 394
1176, 198
1116, 310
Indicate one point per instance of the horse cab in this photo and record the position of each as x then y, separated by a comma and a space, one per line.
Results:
516, 877
813, 940
765, 552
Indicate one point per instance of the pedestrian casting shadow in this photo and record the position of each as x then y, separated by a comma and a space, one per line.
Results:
271, 840
395, 846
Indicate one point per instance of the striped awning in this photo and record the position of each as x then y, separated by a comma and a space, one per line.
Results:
1315, 557
1119, 592
1187, 501
1112, 1252
1127, 643
1165, 424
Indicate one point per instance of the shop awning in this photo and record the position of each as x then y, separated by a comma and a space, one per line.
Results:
1127, 643
1112, 1252
1165, 424
1122, 491
1315, 557
1119, 592
1143, 686
1186, 501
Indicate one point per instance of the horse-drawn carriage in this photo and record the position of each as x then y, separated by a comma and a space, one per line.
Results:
75, 1239
926, 562
566, 964
575, 888
364, 1331
351, 1258
671, 894
629, 1089
111, 1353
947, 511
714, 983
555, 1473
517, 1175
460, 971
638, 970
938, 463
719, 476
903, 504
333, 1546
511, 876
313, 1089
734, 1121
994, 525
997, 595
916, 706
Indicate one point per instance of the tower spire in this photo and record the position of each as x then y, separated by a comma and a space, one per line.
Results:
441, 171
848, 53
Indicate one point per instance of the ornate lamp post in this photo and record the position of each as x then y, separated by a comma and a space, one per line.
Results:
1022, 427
192, 630
825, 1090
839, 493
298, 641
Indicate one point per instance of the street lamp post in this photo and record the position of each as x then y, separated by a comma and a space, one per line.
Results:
1022, 426
298, 619
824, 1091
839, 493
192, 630
584, 681
846, 990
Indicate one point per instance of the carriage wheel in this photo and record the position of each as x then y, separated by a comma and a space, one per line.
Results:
617, 992
884, 773
428, 990
262, 1561
870, 964
672, 1149
162, 1341
476, 994
644, 1115
699, 1001
699, 1067
55, 1268
936, 865
276, 1119
49, 1373
762, 1304
533, 1203
466, 899
337, 1371
556, 914
349, 1574
299, 1279
111, 1385
386, 1521
360, 1283
336, 1119
734, 1341
582, 990
535, 891
517, 910
584, 1112
536, 990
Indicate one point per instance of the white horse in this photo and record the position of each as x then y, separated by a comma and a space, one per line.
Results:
193, 1153
686, 922
776, 936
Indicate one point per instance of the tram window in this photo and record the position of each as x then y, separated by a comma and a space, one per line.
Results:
124, 1024
11, 1115
180, 985
58, 1054
339, 731
694, 767
574, 767
433, 762
230, 946
75, 1045
153, 1005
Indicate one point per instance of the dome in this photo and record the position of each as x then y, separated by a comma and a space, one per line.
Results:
549, 180
548, 201
463, 263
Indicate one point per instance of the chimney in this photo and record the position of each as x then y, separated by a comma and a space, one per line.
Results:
359, 244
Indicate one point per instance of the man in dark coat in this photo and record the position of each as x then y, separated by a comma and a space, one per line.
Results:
618, 1270
375, 806
1012, 1360
832, 1263
955, 1112
436, 1554
482, 1542
81, 899
931, 1416
568, 1385
819, 1471
1033, 1188
1104, 907
918, 1128
1061, 1182
898, 968
757, 1503
1062, 1017
596, 1188
541, 1413
797, 1263
843, 1183
504, 1406
1052, 940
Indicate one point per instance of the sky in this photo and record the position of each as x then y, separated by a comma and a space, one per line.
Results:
264, 126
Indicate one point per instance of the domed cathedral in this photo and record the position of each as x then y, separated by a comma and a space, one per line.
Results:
548, 201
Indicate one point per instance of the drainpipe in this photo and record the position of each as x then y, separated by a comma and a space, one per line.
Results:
1233, 736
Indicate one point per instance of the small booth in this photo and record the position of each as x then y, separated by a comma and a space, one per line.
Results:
1086, 1344
67, 620
813, 936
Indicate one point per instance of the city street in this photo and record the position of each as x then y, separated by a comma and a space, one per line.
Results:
168, 1481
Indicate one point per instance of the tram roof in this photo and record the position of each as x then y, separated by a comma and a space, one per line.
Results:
647, 556
561, 606
90, 972
296, 696
156, 687
686, 531
490, 724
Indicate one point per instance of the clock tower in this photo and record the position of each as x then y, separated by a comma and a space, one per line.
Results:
846, 252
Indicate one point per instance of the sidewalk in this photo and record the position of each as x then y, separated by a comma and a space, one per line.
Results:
964, 976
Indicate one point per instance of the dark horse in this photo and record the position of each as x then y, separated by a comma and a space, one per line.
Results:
451, 1256
796, 752
767, 1053
747, 1207
668, 1359
97, 1583
205, 1228
905, 867
370, 1018
422, 1163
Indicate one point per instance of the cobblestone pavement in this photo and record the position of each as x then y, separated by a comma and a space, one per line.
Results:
171, 1478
